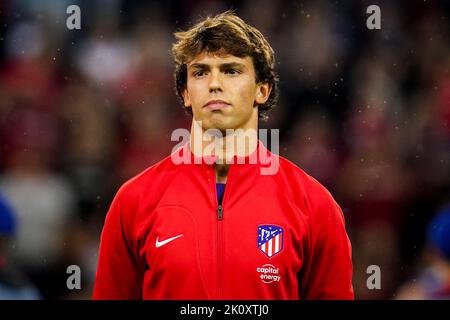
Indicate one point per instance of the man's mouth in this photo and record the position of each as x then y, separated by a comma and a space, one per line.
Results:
216, 105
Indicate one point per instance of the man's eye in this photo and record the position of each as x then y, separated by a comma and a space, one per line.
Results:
198, 73
232, 71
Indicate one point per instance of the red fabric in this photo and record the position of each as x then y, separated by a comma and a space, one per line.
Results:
219, 259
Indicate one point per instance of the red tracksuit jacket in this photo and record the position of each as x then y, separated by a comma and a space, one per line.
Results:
278, 236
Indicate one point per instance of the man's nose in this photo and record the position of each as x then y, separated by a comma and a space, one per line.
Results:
215, 83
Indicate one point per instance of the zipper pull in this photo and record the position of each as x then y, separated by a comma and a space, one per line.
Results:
220, 212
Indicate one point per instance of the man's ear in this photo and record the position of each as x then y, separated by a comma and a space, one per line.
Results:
262, 92
186, 98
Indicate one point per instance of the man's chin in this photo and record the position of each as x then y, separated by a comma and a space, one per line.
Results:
217, 124
222, 128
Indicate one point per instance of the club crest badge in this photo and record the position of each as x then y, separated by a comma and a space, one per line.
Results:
270, 239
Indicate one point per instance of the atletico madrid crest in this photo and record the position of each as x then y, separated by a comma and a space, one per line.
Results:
270, 239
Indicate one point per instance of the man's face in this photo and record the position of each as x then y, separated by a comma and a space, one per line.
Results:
222, 91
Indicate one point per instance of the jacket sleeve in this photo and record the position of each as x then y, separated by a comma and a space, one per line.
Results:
327, 273
119, 275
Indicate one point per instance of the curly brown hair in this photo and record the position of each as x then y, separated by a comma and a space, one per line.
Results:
228, 33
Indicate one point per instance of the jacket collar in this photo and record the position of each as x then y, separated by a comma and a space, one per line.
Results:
254, 158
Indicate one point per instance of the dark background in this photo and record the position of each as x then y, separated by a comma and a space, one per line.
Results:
366, 112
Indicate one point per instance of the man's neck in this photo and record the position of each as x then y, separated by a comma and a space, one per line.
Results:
239, 142
221, 172
224, 146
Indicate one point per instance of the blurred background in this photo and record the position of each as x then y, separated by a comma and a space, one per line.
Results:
366, 112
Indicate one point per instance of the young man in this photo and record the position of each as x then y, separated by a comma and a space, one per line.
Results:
220, 223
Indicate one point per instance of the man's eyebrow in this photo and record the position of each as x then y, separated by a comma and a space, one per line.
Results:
221, 66
232, 65
199, 66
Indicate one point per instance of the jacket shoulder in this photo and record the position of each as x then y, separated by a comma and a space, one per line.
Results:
148, 183
304, 189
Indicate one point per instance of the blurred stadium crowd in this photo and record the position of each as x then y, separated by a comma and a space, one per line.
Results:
366, 112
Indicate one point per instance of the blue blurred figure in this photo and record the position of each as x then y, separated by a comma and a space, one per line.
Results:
13, 284
433, 282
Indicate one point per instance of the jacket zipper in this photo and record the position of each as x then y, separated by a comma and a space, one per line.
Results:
220, 251
220, 212
220, 234
219, 242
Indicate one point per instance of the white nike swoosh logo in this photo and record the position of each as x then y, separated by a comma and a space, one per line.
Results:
161, 243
